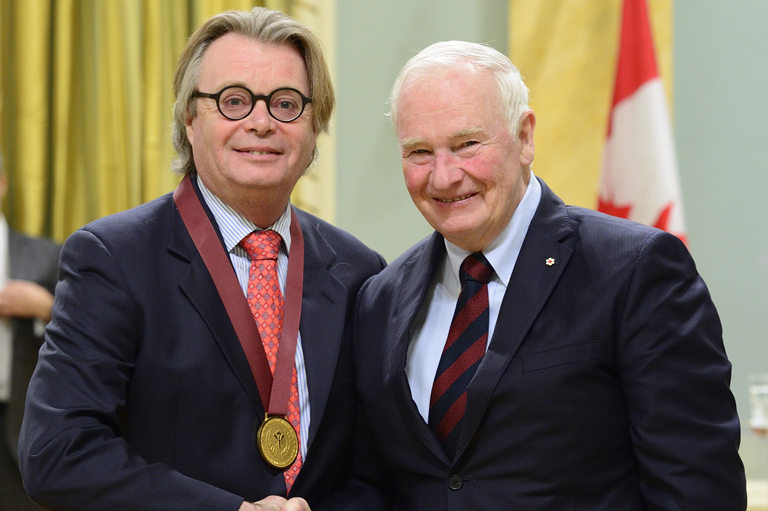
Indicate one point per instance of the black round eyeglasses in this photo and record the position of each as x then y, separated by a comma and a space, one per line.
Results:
236, 102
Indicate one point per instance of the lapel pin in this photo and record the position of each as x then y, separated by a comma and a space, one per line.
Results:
550, 261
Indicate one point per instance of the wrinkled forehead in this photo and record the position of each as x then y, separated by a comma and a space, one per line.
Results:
444, 88
432, 75
455, 79
237, 59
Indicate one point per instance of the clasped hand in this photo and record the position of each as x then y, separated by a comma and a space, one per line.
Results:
275, 503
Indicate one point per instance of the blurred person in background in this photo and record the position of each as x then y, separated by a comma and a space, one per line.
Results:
28, 274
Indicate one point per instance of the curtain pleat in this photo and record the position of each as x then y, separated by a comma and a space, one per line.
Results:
25, 112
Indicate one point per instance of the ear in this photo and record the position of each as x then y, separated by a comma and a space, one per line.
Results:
190, 130
527, 126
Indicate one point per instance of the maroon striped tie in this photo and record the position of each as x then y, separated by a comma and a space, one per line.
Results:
463, 351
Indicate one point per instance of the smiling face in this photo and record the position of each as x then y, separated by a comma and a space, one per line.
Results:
465, 171
254, 163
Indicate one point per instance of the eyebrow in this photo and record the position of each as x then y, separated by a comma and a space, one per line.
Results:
232, 83
468, 132
239, 83
409, 143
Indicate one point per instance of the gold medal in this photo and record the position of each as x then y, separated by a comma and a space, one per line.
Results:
277, 442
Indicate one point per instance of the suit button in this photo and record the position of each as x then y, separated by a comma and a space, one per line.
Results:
455, 482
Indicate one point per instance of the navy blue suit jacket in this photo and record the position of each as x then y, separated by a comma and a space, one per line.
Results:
605, 385
143, 397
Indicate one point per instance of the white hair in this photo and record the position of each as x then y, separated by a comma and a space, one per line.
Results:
455, 55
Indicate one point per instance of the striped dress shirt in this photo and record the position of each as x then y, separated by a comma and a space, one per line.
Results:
234, 227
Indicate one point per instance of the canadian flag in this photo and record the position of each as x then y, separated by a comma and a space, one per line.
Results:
639, 179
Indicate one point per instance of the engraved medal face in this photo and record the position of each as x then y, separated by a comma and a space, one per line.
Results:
277, 442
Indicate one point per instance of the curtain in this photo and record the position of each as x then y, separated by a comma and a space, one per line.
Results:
86, 104
566, 51
316, 191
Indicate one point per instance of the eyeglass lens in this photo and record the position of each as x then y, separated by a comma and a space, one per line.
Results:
283, 104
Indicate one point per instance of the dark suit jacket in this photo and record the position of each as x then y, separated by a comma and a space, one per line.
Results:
34, 260
605, 385
143, 397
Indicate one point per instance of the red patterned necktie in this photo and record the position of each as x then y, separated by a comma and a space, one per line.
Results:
463, 351
266, 302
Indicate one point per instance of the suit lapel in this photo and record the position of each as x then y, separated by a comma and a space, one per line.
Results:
324, 301
414, 283
530, 285
200, 289
323, 316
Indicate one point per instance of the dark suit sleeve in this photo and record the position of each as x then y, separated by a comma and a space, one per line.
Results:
73, 455
675, 377
364, 489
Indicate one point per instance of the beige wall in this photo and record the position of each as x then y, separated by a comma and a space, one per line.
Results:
375, 39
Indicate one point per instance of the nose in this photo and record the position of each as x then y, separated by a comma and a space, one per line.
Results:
447, 171
259, 119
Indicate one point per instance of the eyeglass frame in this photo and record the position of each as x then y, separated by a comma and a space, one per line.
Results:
254, 98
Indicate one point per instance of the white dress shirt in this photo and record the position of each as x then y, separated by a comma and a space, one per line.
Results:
430, 327
234, 227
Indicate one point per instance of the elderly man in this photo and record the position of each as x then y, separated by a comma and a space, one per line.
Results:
531, 355
155, 386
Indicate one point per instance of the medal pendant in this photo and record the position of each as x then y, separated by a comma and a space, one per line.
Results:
277, 442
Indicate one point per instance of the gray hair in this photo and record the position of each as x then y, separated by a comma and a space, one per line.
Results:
262, 25
452, 55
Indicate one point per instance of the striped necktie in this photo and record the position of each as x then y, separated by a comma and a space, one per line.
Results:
463, 351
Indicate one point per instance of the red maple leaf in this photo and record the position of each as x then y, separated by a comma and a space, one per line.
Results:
612, 209
663, 219
663, 223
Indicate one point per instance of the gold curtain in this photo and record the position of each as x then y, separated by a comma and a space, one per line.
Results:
85, 104
566, 51
316, 191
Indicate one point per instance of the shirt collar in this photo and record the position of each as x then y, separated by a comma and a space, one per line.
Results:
234, 226
503, 251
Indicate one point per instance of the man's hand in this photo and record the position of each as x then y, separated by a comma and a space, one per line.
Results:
275, 503
22, 299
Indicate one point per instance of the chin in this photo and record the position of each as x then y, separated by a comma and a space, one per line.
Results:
455, 235
457, 226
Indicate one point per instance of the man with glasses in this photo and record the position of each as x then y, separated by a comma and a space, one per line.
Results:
199, 355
